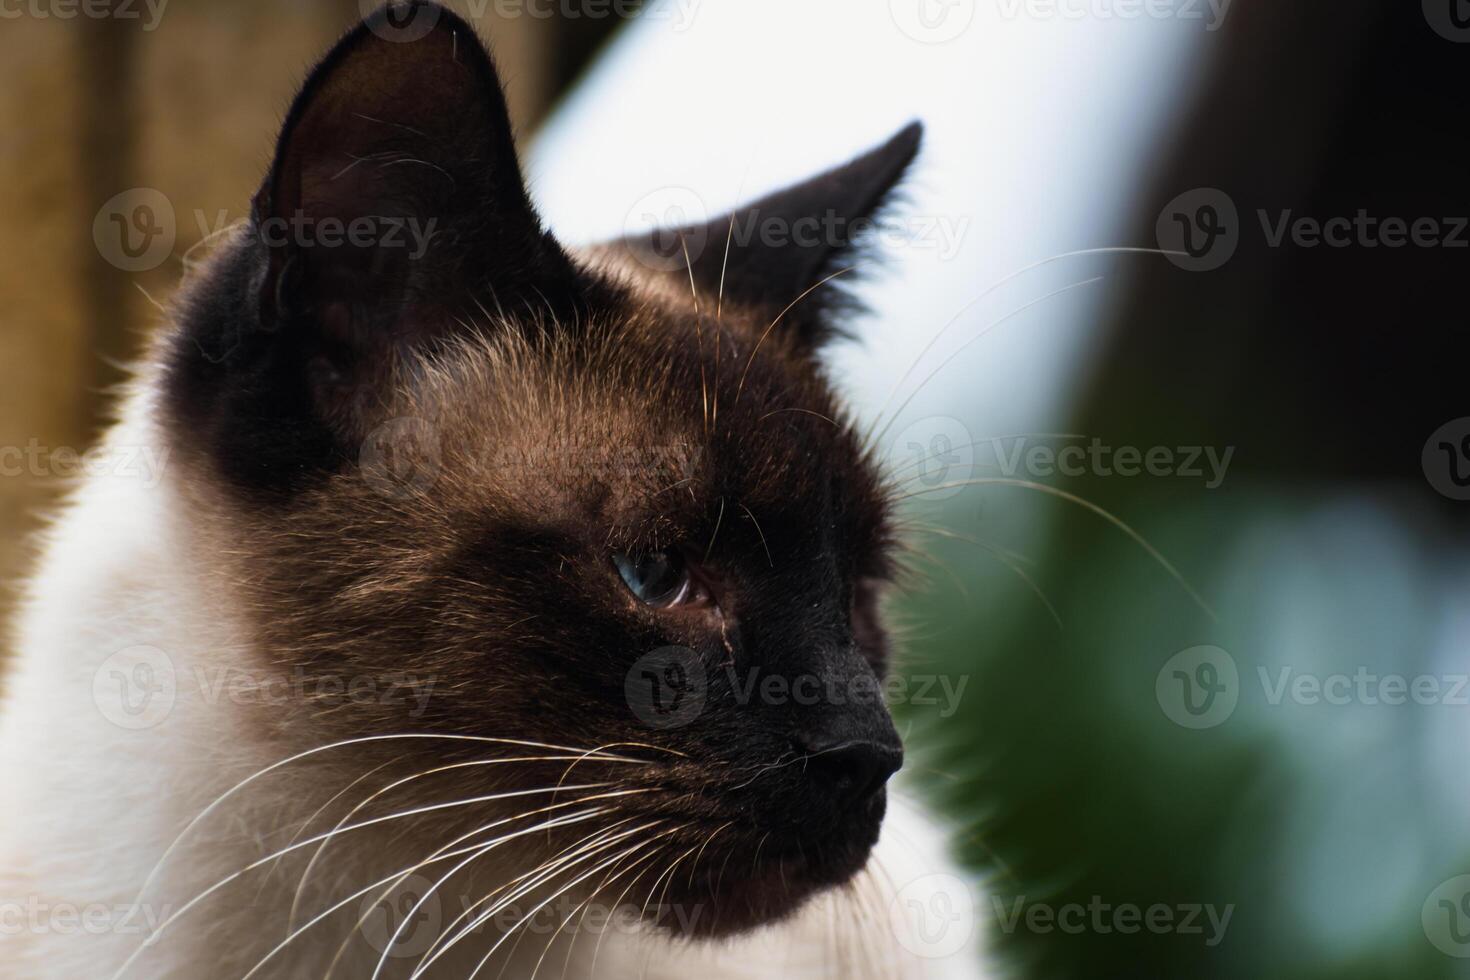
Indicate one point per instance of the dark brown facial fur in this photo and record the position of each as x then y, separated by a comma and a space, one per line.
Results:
565, 410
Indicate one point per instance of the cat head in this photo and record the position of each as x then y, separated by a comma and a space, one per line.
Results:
601, 501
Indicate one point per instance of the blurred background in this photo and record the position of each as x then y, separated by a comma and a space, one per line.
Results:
1167, 343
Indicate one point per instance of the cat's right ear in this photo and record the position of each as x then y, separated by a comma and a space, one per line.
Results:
395, 201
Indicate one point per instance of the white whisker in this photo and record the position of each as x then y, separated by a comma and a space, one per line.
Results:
476, 850
259, 773
158, 933
1121, 250
321, 848
588, 852
547, 901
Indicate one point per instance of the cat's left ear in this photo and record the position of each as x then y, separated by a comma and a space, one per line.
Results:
396, 190
393, 213
790, 255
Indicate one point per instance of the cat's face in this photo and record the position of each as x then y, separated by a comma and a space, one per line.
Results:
638, 524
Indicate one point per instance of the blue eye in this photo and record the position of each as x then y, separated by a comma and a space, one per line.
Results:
659, 578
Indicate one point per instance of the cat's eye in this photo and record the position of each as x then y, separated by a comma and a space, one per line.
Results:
660, 578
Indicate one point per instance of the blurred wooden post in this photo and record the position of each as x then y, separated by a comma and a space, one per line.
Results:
44, 342
187, 107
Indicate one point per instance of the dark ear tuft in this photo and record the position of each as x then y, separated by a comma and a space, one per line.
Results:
789, 242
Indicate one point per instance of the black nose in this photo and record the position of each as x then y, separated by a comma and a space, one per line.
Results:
851, 771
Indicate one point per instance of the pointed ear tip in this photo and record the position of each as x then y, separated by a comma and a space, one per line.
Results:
395, 25
900, 150
909, 138
912, 132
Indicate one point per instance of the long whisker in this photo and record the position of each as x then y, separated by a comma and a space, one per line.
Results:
1102, 512
187, 906
724, 267
612, 877
588, 853
769, 560
321, 848
510, 954
1002, 556
568, 856
585, 906
698, 330
555, 822
443, 854
472, 907
613, 745
1122, 250
547, 901
305, 824
965, 346
597, 949
779, 317
717, 831
412, 912
979, 442
168, 851
667, 875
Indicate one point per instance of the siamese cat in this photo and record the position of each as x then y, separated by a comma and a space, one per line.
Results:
503, 610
